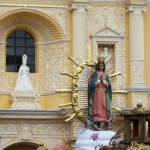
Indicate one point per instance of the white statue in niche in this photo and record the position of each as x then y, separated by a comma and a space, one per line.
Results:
23, 81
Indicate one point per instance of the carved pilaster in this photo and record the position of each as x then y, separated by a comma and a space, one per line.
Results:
80, 30
2, 64
75, 129
41, 65
137, 97
136, 39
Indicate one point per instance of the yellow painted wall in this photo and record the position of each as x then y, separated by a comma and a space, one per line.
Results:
147, 46
53, 101
5, 101
46, 102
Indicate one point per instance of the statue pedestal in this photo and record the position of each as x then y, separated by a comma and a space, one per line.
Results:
27, 100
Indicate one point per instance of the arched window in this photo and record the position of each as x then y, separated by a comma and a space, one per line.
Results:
18, 43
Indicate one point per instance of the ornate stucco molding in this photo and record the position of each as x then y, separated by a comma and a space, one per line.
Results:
30, 114
109, 36
51, 42
27, 100
137, 9
110, 1
80, 7
34, 2
137, 2
137, 76
37, 126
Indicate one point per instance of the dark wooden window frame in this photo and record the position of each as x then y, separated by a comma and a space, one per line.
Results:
23, 41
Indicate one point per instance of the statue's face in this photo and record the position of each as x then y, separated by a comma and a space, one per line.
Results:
101, 66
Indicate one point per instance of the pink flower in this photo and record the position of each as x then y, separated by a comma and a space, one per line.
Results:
94, 136
58, 147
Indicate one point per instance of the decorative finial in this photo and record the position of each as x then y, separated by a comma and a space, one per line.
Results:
139, 107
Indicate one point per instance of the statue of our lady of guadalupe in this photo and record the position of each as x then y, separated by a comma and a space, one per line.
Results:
23, 81
99, 96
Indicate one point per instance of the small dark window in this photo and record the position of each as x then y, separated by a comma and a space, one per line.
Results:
18, 43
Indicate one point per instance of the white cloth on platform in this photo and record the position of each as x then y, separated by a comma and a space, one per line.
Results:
85, 141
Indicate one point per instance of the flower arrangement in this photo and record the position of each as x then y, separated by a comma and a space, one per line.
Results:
116, 143
58, 147
95, 137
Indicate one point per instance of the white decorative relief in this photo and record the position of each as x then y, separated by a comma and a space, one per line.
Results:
67, 67
25, 100
2, 64
6, 9
48, 133
137, 9
35, 2
56, 60
112, 17
75, 128
137, 72
80, 7
139, 98
106, 31
41, 68
106, 25
53, 66
25, 132
119, 100
110, 1
58, 14
10, 129
52, 129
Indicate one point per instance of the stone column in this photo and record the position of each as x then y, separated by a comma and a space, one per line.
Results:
138, 92
136, 42
80, 30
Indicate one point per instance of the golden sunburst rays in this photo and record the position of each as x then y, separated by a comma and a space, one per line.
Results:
116, 108
79, 105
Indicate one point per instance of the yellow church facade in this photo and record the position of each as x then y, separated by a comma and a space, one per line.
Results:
65, 32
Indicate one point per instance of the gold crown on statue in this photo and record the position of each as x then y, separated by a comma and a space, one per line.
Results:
100, 59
